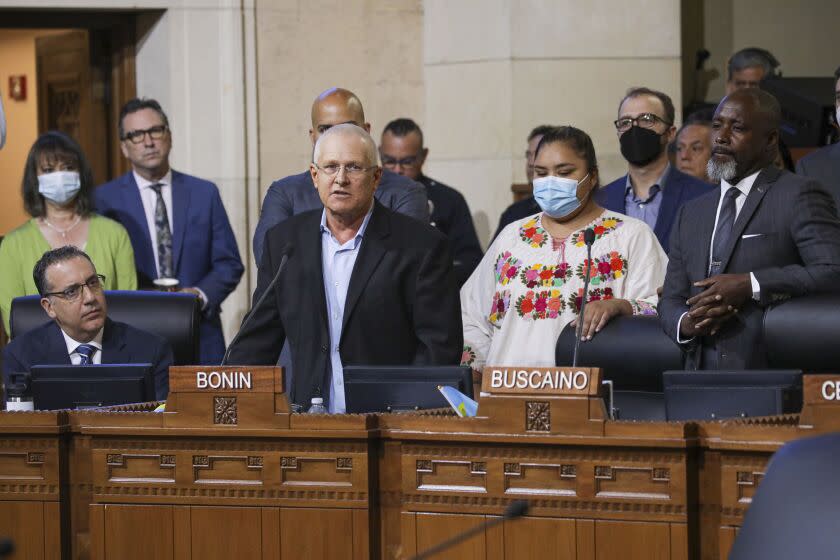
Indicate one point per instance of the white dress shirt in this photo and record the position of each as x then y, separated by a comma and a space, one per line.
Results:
75, 357
149, 198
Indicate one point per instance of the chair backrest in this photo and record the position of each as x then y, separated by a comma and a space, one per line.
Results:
632, 352
173, 316
794, 511
803, 333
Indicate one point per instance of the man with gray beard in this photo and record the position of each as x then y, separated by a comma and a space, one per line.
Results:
764, 236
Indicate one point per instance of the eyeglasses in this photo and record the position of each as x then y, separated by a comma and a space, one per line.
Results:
353, 170
390, 162
645, 120
155, 133
72, 293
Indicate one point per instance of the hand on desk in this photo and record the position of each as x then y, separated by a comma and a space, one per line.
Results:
598, 313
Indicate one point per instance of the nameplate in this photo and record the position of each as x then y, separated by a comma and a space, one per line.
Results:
227, 379
578, 381
821, 389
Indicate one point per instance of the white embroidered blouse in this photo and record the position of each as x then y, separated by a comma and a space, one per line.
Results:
528, 286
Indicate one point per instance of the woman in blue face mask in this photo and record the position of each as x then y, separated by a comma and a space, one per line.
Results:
57, 191
530, 282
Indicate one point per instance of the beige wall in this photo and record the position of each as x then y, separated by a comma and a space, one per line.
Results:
17, 57
801, 35
494, 69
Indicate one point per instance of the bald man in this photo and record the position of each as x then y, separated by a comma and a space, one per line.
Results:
296, 193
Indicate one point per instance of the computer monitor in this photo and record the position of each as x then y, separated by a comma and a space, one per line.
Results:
61, 387
401, 388
710, 395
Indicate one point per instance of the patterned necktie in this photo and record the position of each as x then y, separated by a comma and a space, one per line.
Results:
86, 352
724, 229
164, 235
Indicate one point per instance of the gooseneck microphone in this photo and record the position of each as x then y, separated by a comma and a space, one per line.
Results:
589, 239
515, 509
286, 251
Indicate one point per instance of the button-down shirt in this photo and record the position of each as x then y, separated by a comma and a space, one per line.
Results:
646, 210
338, 261
149, 198
75, 357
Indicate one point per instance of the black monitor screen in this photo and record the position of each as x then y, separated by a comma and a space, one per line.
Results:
62, 387
710, 395
384, 388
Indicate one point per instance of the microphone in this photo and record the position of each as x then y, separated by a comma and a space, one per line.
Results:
515, 509
287, 250
589, 239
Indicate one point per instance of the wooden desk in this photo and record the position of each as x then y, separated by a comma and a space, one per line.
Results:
135, 484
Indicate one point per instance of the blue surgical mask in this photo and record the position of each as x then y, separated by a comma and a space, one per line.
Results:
60, 187
557, 196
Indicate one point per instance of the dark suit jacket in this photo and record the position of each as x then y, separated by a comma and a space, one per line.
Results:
516, 211
787, 234
121, 344
824, 166
679, 188
451, 216
402, 304
295, 194
204, 250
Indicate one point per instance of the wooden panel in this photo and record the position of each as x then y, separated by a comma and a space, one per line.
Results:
532, 537
270, 533
585, 529
182, 532
97, 532
361, 532
23, 522
316, 533
679, 541
52, 531
494, 538
726, 540
408, 532
139, 532
433, 528
632, 541
226, 532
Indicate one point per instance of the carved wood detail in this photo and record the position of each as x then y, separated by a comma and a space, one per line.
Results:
537, 416
224, 410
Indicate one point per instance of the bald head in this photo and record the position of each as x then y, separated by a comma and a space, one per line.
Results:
336, 106
761, 103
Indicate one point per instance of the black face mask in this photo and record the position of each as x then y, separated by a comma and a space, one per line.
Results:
640, 146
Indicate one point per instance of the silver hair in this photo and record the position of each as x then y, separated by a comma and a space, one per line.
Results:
725, 170
348, 129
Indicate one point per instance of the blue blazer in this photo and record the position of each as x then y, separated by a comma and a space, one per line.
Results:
204, 250
679, 189
121, 344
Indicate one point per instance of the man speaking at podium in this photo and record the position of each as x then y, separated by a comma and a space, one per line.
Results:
354, 283
764, 236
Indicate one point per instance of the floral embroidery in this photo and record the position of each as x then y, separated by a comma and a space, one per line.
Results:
606, 226
501, 303
546, 304
533, 234
468, 356
605, 269
641, 307
507, 267
594, 295
546, 276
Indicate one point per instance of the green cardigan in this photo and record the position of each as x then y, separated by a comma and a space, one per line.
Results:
108, 246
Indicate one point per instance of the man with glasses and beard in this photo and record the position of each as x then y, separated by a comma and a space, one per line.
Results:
80, 332
652, 190
764, 236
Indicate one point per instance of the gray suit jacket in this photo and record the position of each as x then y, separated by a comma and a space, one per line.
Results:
787, 234
824, 166
296, 194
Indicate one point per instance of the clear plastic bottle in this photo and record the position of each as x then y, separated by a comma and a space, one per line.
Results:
317, 406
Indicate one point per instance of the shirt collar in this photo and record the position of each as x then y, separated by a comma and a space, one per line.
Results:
73, 344
142, 183
362, 228
745, 185
660, 182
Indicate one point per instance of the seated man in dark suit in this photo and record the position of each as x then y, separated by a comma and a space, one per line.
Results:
361, 284
764, 236
824, 164
296, 193
80, 332
527, 206
652, 190
403, 152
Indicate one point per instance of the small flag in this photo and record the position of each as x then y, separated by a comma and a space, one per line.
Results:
463, 405
160, 408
